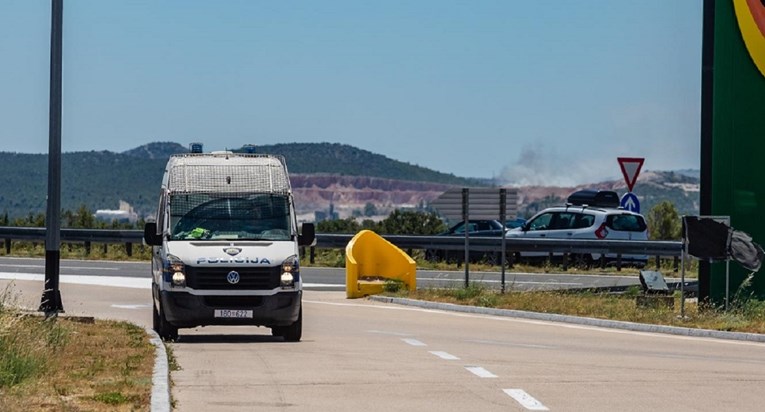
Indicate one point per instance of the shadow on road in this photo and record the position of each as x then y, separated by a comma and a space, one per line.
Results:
227, 338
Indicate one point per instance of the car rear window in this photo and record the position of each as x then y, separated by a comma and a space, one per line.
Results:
626, 223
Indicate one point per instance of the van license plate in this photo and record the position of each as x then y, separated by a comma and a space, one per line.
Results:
231, 313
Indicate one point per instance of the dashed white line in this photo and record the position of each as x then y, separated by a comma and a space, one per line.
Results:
526, 400
383, 332
480, 372
138, 306
413, 342
515, 345
444, 355
115, 281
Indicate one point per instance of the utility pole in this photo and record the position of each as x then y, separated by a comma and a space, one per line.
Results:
51, 298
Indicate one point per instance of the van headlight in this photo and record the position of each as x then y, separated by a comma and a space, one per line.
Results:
290, 272
176, 268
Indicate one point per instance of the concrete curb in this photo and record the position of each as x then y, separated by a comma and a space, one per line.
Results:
549, 317
160, 390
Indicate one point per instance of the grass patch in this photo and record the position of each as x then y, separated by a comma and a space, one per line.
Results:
64, 365
746, 316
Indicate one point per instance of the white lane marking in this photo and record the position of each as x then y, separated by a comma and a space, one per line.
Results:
385, 306
444, 355
382, 332
515, 345
480, 372
526, 400
138, 306
115, 281
413, 342
526, 282
62, 267
321, 285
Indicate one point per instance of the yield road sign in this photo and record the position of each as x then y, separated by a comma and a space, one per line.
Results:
630, 202
630, 169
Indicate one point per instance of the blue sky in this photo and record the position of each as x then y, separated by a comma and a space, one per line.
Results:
545, 92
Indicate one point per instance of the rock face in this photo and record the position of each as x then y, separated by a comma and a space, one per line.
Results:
347, 194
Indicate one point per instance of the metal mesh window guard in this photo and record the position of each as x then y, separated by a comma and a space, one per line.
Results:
227, 173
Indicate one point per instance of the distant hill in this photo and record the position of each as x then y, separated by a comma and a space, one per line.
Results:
158, 150
652, 187
342, 159
100, 179
324, 176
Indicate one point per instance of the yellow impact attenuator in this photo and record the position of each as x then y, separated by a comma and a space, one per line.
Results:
370, 261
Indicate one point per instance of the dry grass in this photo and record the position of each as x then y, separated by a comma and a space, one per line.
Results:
63, 365
748, 316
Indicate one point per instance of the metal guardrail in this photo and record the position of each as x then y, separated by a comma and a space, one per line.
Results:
669, 249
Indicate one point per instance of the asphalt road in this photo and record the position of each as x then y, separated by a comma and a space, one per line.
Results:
371, 356
316, 278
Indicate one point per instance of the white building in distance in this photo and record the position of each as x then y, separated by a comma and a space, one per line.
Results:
124, 214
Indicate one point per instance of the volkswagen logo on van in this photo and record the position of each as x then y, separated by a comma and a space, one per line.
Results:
232, 251
233, 277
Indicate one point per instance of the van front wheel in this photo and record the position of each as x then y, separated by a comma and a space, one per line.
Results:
291, 333
164, 329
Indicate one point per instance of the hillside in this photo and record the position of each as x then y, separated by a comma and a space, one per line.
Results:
324, 176
652, 187
99, 180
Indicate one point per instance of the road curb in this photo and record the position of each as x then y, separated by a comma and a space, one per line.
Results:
160, 388
550, 317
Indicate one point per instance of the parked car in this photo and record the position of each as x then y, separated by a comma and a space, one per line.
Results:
585, 218
475, 228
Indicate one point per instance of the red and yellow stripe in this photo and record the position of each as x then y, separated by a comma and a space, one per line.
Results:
751, 21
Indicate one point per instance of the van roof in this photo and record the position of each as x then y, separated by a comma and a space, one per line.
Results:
227, 173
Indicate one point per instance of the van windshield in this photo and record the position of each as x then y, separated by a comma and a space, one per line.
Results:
230, 216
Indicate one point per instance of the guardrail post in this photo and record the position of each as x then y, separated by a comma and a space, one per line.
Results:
87, 248
312, 255
106, 248
676, 264
565, 261
618, 262
129, 249
658, 262
7, 246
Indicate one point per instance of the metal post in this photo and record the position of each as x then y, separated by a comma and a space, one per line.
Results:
466, 225
51, 299
503, 220
682, 271
727, 283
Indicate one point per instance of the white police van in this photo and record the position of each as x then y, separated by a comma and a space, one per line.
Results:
225, 245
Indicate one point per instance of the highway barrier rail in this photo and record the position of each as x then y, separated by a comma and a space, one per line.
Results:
658, 249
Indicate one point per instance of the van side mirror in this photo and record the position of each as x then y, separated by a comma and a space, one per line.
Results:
150, 235
307, 237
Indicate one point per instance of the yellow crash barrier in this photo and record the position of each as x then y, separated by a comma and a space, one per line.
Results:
370, 260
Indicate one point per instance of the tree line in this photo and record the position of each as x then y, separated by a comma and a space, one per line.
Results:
663, 222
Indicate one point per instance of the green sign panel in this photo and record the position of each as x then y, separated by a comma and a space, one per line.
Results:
733, 132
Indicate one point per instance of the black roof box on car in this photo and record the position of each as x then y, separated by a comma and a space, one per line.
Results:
595, 198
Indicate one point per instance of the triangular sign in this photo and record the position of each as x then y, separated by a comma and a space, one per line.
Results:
630, 169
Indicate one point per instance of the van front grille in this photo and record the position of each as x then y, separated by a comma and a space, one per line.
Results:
216, 278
